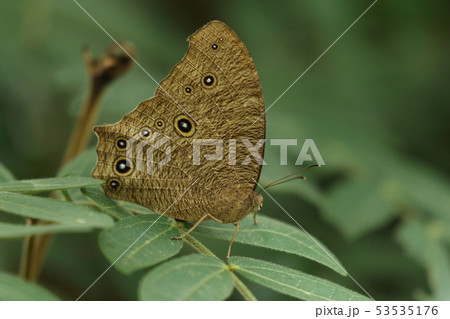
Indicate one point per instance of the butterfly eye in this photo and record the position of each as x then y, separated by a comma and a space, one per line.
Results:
121, 144
159, 124
209, 81
188, 90
123, 167
114, 185
184, 125
145, 133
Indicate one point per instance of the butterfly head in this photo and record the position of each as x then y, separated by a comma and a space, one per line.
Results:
257, 202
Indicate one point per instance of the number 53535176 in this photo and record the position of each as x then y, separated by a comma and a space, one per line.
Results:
406, 310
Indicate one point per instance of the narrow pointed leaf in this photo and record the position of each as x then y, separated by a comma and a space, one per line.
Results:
135, 208
48, 184
439, 272
19, 231
412, 236
5, 174
364, 202
291, 282
192, 277
422, 244
13, 288
106, 204
121, 245
82, 165
53, 210
274, 234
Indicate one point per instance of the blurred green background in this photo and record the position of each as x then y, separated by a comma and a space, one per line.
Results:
376, 106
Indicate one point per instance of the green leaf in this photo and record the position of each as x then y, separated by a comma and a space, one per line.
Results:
363, 203
423, 187
274, 234
421, 242
441, 230
192, 277
48, 184
18, 231
53, 210
13, 288
412, 236
291, 282
82, 165
5, 174
154, 246
106, 204
135, 208
439, 272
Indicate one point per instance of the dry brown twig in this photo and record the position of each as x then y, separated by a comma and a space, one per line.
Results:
101, 73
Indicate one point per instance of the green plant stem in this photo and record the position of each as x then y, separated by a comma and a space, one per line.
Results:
23, 270
66, 195
202, 249
198, 246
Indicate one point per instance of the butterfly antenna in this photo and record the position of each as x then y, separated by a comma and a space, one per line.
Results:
286, 178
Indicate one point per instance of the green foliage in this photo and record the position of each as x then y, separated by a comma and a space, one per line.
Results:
291, 282
106, 204
47, 184
136, 252
273, 234
142, 241
422, 244
52, 210
8, 230
15, 289
5, 174
199, 277
368, 210
376, 105
82, 165
192, 277
139, 242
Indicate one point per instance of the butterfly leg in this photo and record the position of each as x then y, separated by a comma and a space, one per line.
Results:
254, 218
198, 223
218, 221
232, 238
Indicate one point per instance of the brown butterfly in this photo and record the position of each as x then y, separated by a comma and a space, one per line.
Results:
193, 151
